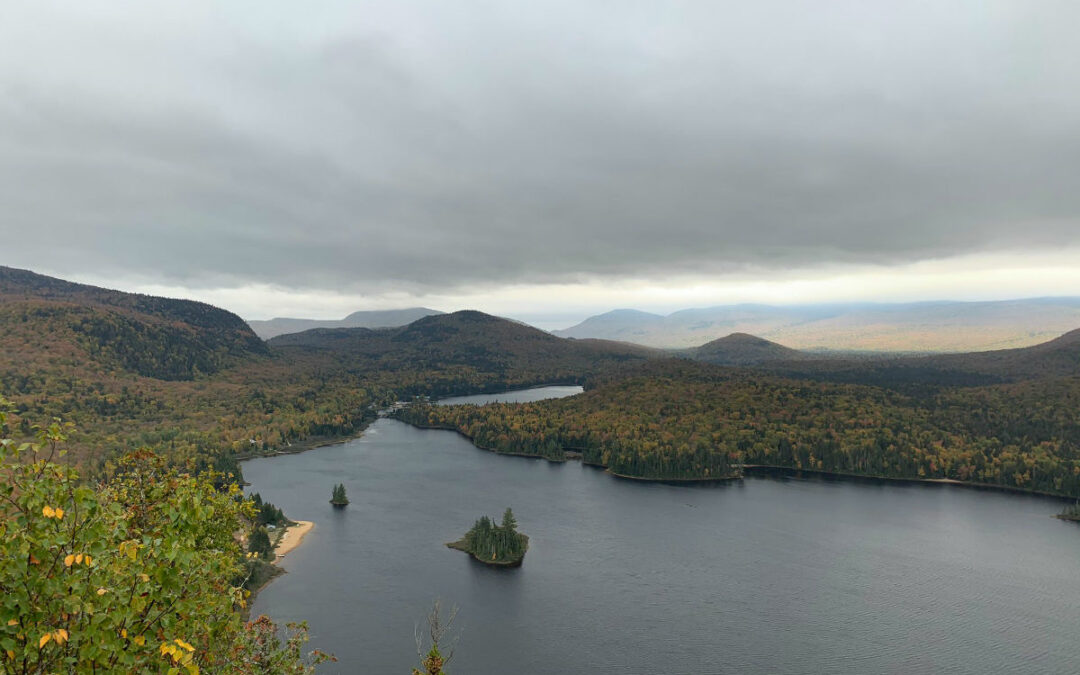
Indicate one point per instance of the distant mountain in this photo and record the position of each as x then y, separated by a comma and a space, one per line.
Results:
901, 327
47, 321
1059, 357
741, 349
496, 351
374, 319
1056, 359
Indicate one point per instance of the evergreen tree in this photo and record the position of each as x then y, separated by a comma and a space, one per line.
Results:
508, 522
259, 543
338, 497
498, 543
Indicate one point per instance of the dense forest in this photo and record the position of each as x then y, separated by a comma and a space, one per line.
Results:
680, 420
193, 382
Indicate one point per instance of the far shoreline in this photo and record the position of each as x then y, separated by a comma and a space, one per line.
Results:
573, 454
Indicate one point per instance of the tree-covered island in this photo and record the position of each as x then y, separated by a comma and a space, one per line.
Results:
337, 496
501, 545
1071, 512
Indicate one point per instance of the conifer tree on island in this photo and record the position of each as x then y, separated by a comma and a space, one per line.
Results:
493, 544
338, 497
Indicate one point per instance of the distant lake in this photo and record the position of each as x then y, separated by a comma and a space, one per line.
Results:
764, 575
519, 396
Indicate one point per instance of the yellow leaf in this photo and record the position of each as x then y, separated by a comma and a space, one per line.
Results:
78, 559
88, 560
59, 512
12, 622
44, 640
48, 511
101, 591
143, 577
68, 560
61, 635
123, 632
11, 654
139, 640
184, 645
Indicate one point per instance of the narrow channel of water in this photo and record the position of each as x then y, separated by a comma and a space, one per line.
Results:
765, 575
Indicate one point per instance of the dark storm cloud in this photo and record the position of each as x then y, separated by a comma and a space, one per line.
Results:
423, 145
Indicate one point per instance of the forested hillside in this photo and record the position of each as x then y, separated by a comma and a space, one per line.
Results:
1058, 357
193, 382
683, 420
462, 352
740, 349
162, 338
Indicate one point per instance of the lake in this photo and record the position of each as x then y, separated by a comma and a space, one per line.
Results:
763, 575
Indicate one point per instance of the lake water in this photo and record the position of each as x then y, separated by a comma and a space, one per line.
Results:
519, 396
765, 575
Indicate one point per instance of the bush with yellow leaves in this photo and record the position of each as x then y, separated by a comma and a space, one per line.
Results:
136, 574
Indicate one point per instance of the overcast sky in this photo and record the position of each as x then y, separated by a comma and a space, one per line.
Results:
542, 159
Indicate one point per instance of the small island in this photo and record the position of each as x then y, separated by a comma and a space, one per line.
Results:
1071, 512
338, 498
499, 545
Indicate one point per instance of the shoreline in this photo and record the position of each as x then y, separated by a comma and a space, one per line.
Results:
765, 469
751, 469
292, 538
289, 540
312, 443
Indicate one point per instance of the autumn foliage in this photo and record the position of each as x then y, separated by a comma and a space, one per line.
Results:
139, 573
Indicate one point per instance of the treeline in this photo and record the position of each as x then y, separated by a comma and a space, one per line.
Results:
679, 420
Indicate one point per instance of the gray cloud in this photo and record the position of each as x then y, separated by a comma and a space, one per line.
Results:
375, 145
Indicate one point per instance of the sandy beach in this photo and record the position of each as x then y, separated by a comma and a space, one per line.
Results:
292, 537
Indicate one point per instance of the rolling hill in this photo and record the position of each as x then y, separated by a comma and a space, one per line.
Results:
488, 351
194, 381
1057, 358
908, 327
389, 318
156, 337
742, 349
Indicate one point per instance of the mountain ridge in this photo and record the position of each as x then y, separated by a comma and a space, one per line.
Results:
929, 327
165, 338
388, 318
